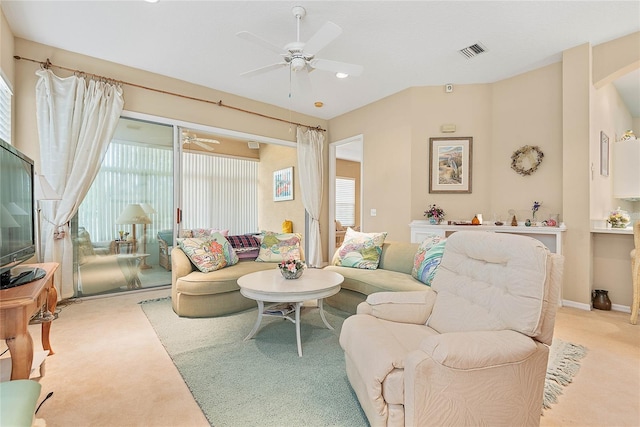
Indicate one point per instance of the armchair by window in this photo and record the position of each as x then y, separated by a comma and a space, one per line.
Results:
98, 270
470, 350
165, 244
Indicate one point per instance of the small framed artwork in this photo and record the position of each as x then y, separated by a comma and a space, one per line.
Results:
604, 154
450, 160
283, 184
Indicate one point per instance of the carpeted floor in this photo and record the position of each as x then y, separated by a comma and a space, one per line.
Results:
260, 381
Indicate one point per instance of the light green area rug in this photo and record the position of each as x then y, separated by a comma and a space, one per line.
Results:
263, 381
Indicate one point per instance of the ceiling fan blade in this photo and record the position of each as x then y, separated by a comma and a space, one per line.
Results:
264, 69
209, 141
325, 35
246, 35
337, 67
203, 145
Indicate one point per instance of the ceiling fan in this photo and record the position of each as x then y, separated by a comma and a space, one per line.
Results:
205, 143
299, 56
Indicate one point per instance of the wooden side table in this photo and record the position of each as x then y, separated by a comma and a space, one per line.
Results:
17, 306
122, 247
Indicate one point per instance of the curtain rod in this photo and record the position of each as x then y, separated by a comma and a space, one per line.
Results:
47, 64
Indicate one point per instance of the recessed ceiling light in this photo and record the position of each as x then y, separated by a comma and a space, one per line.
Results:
342, 75
152, 1
318, 104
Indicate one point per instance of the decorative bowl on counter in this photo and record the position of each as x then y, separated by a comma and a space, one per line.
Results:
618, 218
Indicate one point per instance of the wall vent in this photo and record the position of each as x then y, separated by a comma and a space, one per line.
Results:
473, 50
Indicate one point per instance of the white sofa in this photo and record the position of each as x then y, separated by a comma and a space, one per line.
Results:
472, 350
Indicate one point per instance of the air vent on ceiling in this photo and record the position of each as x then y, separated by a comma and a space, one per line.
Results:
473, 50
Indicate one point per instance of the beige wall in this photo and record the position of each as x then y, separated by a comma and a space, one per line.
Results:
527, 110
611, 263
386, 129
500, 117
144, 101
272, 214
615, 58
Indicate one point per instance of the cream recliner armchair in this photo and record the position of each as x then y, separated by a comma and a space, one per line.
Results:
470, 350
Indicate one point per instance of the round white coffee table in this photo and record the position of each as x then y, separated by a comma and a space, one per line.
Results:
270, 286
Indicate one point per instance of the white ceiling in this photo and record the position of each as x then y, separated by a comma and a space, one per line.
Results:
399, 43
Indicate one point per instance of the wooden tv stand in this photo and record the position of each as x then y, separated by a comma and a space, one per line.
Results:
17, 306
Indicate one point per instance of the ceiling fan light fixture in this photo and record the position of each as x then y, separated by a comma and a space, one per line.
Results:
298, 64
342, 75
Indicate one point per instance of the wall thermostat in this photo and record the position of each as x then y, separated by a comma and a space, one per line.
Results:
448, 88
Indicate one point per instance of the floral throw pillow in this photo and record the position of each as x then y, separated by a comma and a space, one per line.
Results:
277, 247
210, 253
427, 258
360, 250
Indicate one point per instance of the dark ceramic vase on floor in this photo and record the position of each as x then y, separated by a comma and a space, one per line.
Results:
600, 299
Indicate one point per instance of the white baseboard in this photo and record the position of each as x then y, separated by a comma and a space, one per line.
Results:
622, 308
574, 304
587, 307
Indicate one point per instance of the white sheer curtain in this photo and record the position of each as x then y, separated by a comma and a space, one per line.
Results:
76, 121
310, 147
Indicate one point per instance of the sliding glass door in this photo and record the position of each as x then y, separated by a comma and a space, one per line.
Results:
126, 213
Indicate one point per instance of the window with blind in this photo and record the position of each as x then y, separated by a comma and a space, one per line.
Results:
5, 109
346, 201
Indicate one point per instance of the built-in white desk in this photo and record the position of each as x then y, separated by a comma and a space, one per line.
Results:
609, 230
550, 236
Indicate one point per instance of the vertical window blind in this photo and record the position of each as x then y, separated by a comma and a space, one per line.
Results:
346, 201
219, 192
130, 173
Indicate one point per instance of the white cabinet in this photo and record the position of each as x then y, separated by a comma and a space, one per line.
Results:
550, 236
625, 169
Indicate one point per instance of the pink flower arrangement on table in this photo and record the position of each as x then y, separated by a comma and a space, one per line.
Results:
291, 268
434, 212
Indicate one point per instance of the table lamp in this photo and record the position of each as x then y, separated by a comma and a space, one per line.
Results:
148, 209
133, 214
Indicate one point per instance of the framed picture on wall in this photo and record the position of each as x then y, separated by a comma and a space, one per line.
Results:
283, 184
450, 160
604, 154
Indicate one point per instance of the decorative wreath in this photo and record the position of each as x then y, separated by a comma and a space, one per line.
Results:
526, 159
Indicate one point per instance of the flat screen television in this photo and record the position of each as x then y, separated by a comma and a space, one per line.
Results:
17, 216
